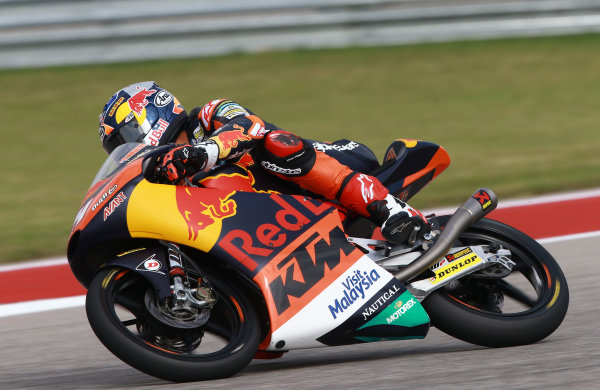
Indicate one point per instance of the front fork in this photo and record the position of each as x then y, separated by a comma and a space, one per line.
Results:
184, 295
190, 301
176, 275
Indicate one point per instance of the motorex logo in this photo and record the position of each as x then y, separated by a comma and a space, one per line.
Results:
404, 311
355, 288
401, 308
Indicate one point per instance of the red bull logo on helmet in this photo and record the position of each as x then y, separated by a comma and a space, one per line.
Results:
138, 102
200, 212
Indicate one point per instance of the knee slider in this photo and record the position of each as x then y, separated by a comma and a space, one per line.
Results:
285, 153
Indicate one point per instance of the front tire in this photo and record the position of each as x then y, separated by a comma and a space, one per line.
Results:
535, 296
117, 314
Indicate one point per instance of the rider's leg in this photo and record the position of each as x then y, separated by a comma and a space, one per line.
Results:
290, 158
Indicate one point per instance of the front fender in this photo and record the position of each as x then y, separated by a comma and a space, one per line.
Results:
151, 263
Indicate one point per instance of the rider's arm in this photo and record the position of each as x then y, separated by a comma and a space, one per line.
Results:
232, 128
221, 130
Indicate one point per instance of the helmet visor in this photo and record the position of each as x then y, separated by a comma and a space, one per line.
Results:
130, 132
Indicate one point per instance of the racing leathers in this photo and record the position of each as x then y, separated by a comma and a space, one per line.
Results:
223, 130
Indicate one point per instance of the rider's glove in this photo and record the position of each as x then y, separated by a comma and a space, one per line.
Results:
182, 161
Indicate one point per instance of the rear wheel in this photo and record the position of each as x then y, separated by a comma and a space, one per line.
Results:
118, 309
521, 308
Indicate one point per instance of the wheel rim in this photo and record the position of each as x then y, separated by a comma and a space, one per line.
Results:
525, 290
222, 335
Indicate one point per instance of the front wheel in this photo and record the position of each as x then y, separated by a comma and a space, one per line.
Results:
521, 308
117, 309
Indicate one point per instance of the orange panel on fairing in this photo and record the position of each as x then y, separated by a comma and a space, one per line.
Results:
439, 162
273, 269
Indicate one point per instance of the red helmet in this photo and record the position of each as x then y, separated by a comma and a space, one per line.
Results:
142, 112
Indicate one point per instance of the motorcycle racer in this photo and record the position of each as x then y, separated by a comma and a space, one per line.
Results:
224, 131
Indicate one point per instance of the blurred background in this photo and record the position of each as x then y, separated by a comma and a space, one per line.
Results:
509, 88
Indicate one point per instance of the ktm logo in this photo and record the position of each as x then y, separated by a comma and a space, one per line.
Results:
320, 252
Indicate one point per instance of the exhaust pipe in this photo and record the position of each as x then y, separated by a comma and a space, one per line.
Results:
481, 203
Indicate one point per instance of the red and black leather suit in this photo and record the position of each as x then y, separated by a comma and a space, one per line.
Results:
336, 171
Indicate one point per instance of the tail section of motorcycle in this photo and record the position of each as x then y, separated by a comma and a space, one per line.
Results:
408, 165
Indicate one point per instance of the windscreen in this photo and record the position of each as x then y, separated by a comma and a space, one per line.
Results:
119, 158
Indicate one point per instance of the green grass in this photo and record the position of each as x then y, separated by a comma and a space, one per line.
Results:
519, 116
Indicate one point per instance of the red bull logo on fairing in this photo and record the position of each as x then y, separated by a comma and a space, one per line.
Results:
138, 102
200, 213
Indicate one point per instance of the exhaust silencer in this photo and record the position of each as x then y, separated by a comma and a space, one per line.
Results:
481, 203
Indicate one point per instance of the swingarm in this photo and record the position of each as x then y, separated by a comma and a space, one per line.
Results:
428, 264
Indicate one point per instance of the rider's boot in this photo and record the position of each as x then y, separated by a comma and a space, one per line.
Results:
396, 218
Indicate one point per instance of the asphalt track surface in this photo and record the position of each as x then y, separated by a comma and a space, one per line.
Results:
57, 350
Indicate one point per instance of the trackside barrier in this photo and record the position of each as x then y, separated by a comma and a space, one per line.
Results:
37, 33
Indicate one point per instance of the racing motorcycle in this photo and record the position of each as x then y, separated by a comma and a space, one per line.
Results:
191, 282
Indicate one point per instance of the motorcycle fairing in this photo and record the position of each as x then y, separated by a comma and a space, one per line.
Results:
305, 268
99, 201
349, 311
392, 314
293, 247
100, 229
213, 221
178, 214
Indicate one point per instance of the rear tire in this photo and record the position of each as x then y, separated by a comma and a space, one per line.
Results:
538, 309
